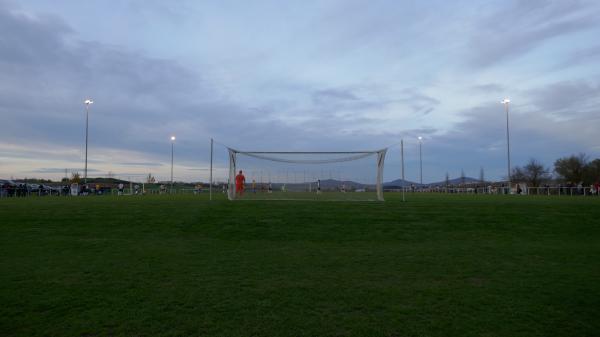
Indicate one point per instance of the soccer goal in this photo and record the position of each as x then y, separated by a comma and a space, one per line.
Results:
350, 175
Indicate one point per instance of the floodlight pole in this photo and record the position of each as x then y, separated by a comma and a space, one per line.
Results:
211, 171
402, 160
172, 147
87, 103
421, 160
506, 103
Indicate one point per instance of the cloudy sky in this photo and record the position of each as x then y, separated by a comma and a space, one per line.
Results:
295, 75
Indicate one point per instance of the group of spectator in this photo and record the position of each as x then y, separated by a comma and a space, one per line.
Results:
19, 189
10, 188
595, 188
15, 190
576, 189
518, 188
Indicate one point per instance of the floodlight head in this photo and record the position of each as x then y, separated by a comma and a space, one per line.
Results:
505, 101
172, 138
88, 101
420, 138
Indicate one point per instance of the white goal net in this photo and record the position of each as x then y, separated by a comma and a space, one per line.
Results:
351, 175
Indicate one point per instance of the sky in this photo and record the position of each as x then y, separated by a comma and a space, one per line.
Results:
295, 76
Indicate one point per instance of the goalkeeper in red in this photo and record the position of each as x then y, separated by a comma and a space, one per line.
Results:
240, 180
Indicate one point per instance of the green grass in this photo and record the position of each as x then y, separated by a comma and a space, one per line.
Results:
308, 196
182, 266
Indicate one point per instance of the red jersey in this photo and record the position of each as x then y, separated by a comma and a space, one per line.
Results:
240, 180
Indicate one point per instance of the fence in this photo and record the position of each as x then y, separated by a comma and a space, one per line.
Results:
142, 190
564, 191
21, 192
25, 192
544, 191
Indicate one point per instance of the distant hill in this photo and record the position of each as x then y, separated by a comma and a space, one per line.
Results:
399, 183
349, 184
325, 184
329, 183
456, 181
408, 183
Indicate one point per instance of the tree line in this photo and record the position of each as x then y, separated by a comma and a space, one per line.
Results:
574, 169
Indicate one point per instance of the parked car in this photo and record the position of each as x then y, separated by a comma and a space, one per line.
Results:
4, 182
50, 190
7, 188
33, 188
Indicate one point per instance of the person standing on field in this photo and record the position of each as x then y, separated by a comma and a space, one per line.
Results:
240, 180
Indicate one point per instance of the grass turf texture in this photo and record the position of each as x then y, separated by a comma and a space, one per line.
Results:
436, 265
308, 196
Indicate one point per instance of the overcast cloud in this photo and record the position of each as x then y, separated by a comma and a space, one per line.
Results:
313, 75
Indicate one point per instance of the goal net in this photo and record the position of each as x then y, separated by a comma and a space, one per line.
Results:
352, 175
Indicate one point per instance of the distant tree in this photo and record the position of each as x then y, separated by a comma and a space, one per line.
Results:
64, 180
592, 172
571, 168
518, 174
110, 175
533, 173
481, 175
150, 179
75, 178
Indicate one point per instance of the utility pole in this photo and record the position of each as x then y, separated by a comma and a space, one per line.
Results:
506, 103
211, 170
87, 103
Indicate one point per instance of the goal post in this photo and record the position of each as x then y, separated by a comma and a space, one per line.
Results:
332, 175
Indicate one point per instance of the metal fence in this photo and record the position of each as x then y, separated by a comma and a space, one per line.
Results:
542, 191
539, 191
564, 191
22, 193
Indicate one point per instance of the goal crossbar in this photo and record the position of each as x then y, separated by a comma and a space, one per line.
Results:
304, 152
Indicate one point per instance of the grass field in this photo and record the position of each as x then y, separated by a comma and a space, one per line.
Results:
182, 266
309, 196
